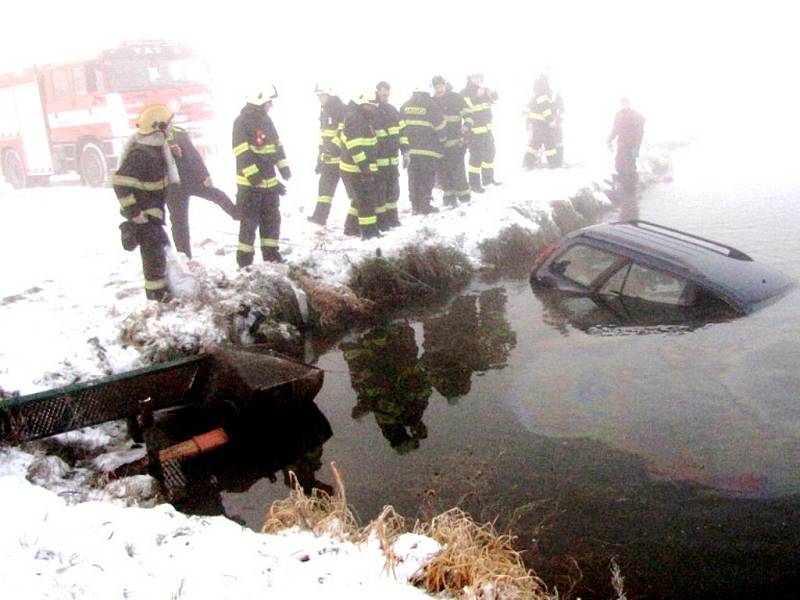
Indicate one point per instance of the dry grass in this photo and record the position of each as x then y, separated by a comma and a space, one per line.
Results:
318, 512
333, 305
475, 562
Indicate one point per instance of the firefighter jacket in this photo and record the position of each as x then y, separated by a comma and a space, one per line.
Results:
141, 181
424, 125
388, 127
191, 168
540, 108
331, 121
628, 129
258, 149
357, 142
479, 109
454, 109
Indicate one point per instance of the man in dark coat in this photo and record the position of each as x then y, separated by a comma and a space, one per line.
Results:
331, 121
452, 174
480, 139
424, 131
259, 152
140, 185
195, 181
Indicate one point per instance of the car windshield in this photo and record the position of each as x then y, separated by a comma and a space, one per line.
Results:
147, 72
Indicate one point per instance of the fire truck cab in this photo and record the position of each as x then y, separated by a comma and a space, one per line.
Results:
76, 116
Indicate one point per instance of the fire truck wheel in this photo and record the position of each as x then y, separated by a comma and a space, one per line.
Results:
94, 169
13, 170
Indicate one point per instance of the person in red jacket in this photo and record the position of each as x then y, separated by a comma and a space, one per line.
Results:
628, 131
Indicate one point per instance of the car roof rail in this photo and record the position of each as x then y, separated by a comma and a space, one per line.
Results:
692, 239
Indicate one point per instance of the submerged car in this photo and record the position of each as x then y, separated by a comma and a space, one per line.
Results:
638, 272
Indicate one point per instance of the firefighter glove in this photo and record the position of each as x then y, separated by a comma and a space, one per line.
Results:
281, 189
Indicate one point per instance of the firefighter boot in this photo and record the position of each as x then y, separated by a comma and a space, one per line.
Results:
321, 212
475, 183
369, 232
272, 255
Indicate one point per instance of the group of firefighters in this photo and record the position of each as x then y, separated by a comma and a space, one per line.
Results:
363, 142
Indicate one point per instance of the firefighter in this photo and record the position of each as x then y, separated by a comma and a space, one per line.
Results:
541, 124
358, 163
140, 185
331, 120
451, 168
425, 131
258, 151
388, 130
195, 180
628, 130
480, 140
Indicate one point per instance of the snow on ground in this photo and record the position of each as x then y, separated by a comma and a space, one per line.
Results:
70, 285
66, 292
52, 549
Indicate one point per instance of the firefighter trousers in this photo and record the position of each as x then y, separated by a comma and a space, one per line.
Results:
388, 182
152, 240
259, 209
328, 181
453, 176
178, 206
541, 135
481, 159
421, 177
362, 191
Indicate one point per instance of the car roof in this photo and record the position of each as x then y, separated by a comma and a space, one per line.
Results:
731, 273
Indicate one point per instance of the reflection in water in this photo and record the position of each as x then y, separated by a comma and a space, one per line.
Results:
393, 383
473, 336
288, 438
390, 382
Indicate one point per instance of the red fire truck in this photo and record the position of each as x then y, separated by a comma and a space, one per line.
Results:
75, 117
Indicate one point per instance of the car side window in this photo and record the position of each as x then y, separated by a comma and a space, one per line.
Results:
615, 282
583, 264
653, 285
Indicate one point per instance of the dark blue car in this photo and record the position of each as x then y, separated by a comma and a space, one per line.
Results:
639, 272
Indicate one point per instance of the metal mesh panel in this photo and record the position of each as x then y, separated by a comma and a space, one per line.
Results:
73, 407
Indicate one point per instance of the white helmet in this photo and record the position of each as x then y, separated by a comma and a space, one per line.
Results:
367, 97
263, 95
324, 88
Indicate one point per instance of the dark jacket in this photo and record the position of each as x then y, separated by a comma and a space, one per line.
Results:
258, 149
331, 120
141, 181
479, 109
388, 126
424, 125
540, 107
191, 168
357, 142
628, 129
454, 109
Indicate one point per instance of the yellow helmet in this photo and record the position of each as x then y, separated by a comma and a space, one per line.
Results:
154, 117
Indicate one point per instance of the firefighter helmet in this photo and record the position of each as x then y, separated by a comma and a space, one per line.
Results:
323, 88
263, 95
367, 97
154, 117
